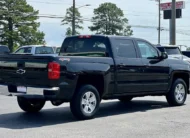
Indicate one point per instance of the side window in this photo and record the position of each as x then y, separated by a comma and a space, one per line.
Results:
21, 50
147, 51
125, 48
24, 50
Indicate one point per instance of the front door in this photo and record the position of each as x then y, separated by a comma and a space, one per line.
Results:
128, 67
155, 70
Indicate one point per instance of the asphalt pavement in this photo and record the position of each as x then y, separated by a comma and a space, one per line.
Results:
148, 117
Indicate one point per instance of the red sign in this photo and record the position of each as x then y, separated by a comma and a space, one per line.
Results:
168, 6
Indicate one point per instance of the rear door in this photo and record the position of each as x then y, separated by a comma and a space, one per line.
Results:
155, 71
128, 66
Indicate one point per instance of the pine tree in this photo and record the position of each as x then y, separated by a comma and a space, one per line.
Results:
18, 24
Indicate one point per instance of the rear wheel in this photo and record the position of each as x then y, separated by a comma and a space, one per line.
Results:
126, 99
30, 105
85, 103
178, 93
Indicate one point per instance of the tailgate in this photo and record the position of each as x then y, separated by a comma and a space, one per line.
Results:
25, 70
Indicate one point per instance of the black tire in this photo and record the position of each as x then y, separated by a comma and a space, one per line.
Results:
30, 105
126, 99
172, 95
77, 108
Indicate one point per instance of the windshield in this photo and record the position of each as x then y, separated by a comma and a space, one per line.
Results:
82, 46
172, 50
44, 50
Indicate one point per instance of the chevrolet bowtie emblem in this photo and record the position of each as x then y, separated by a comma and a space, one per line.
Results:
21, 71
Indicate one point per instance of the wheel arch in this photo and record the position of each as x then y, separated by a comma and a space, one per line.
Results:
96, 80
180, 75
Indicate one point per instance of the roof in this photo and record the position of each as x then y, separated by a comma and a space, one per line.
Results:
36, 46
172, 46
109, 36
4, 45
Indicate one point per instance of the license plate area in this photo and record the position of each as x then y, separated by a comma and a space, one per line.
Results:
21, 89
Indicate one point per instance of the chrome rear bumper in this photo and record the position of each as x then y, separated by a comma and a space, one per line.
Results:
31, 91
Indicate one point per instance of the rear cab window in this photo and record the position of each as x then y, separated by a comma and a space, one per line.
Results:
44, 50
91, 46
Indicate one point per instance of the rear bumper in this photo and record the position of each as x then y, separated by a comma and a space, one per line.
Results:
32, 92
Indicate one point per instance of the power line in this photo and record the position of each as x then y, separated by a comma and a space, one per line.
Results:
135, 26
58, 3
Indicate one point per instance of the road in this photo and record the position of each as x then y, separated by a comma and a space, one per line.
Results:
148, 117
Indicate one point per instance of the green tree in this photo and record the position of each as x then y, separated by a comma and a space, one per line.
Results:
68, 20
68, 32
109, 20
18, 24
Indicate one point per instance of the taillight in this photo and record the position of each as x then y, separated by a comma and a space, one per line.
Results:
85, 36
53, 70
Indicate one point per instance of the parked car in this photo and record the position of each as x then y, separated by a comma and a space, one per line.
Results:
186, 53
36, 50
91, 68
173, 52
4, 49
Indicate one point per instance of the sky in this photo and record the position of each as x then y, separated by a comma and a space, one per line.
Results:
138, 12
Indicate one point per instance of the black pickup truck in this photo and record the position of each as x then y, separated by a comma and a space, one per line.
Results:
91, 68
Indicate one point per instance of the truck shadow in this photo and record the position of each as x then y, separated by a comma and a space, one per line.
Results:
63, 115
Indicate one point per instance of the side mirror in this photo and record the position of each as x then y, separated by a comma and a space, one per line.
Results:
164, 55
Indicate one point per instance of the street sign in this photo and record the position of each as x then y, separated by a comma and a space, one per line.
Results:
168, 5
168, 14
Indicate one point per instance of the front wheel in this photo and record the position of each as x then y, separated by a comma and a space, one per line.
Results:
178, 93
30, 105
85, 103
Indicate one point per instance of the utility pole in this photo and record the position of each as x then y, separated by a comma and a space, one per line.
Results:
159, 22
173, 24
73, 21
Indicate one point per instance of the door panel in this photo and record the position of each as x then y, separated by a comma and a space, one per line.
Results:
128, 66
129, 75
156, 76
155, 70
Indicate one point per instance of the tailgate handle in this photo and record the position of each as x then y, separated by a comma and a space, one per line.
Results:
20, 65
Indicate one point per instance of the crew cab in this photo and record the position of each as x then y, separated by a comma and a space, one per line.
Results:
91, 68
36, 50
